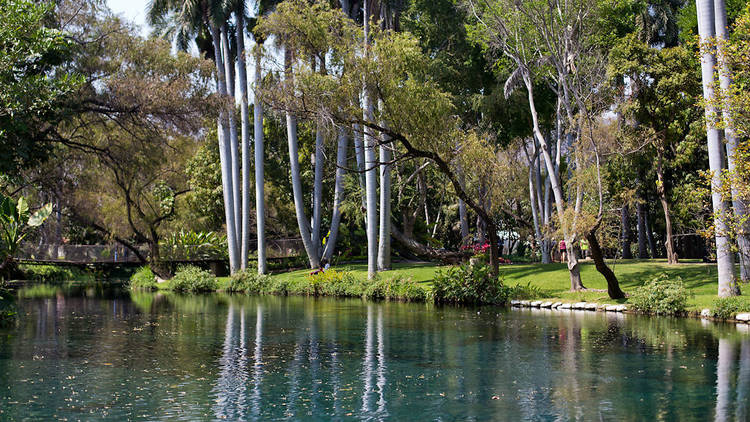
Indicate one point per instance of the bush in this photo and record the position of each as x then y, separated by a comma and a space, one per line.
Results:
192, 279
248, 281
469, 284
661, 295
527, 292
53, 273
727, 307
334, 283
397, 288
143, 279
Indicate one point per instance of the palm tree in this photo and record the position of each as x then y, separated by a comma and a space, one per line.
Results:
724, 257
725, 80
192, 19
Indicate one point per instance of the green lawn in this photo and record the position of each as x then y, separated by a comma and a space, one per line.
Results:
554, 281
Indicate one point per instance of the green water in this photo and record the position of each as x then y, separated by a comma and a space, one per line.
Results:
94, 354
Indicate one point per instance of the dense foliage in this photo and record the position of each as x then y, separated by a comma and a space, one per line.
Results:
662, 295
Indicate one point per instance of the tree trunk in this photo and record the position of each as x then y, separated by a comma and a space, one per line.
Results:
462, 216
260, 200
625, 220
724, 257
359, 154
424, 251
245, 114
573, 267
317, 190
225, 157
233, 141
642, 237
613, 286
338, 194
159, 267
732, 141
370, 163
384, 243
299, 204
661, 190
650, 233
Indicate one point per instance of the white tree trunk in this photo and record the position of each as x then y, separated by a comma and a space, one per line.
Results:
244, 112
225, 157
725, 80
260, 200
233, 141
573, 267
384, 244
317, 190
724, 256
359, 154
299, 203
370, 164
338, 194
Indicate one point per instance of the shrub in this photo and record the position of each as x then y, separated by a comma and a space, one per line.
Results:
469, 284
661, 295
527, 292
727, 307
334, 283
397, 288
52, 273
192, 279
143, 279
248, 281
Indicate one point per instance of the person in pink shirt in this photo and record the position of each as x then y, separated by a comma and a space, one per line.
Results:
563, 251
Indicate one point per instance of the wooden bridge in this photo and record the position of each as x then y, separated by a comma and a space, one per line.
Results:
118, 254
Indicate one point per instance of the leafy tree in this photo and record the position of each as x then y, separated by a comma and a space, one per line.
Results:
16, 220
35, 88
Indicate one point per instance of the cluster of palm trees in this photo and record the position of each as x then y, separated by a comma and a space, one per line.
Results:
218, 28
712, 28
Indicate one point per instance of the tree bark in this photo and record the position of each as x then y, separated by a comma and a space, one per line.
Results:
384, 242
260, 200
245, 117
661, 190
650, 233
625, 220
317, 191
613, 285
370, 163
732, 142
233, 141
225, 156
424, 251
299, 204
338, 194
642, 237
724, 257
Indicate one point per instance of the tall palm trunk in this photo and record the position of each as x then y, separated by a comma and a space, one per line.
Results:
724, 257
359, 154
338, 194
370, 163
225, 155
260, 200
732, 141
317, 190
384, 244
244, 112
233, 141
299, 203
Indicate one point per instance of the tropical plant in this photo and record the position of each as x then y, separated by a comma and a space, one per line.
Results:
16, 221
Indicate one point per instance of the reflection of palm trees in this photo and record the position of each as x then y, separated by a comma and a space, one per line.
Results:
258, 365
231, 385
743, 383
371, 373
723, 379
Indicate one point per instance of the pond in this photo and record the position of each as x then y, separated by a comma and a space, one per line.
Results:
99, 353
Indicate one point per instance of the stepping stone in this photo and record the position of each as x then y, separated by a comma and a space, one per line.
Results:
525, 303
602, 307
515, 303
706, 313
536, 303
546, 305
579, 305
565, 306
622, 308
745, 317
590, 306
556, 305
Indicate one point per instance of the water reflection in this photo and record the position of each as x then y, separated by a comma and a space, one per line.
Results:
162, 356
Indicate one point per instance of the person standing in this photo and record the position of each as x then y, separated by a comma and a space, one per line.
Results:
563, 251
